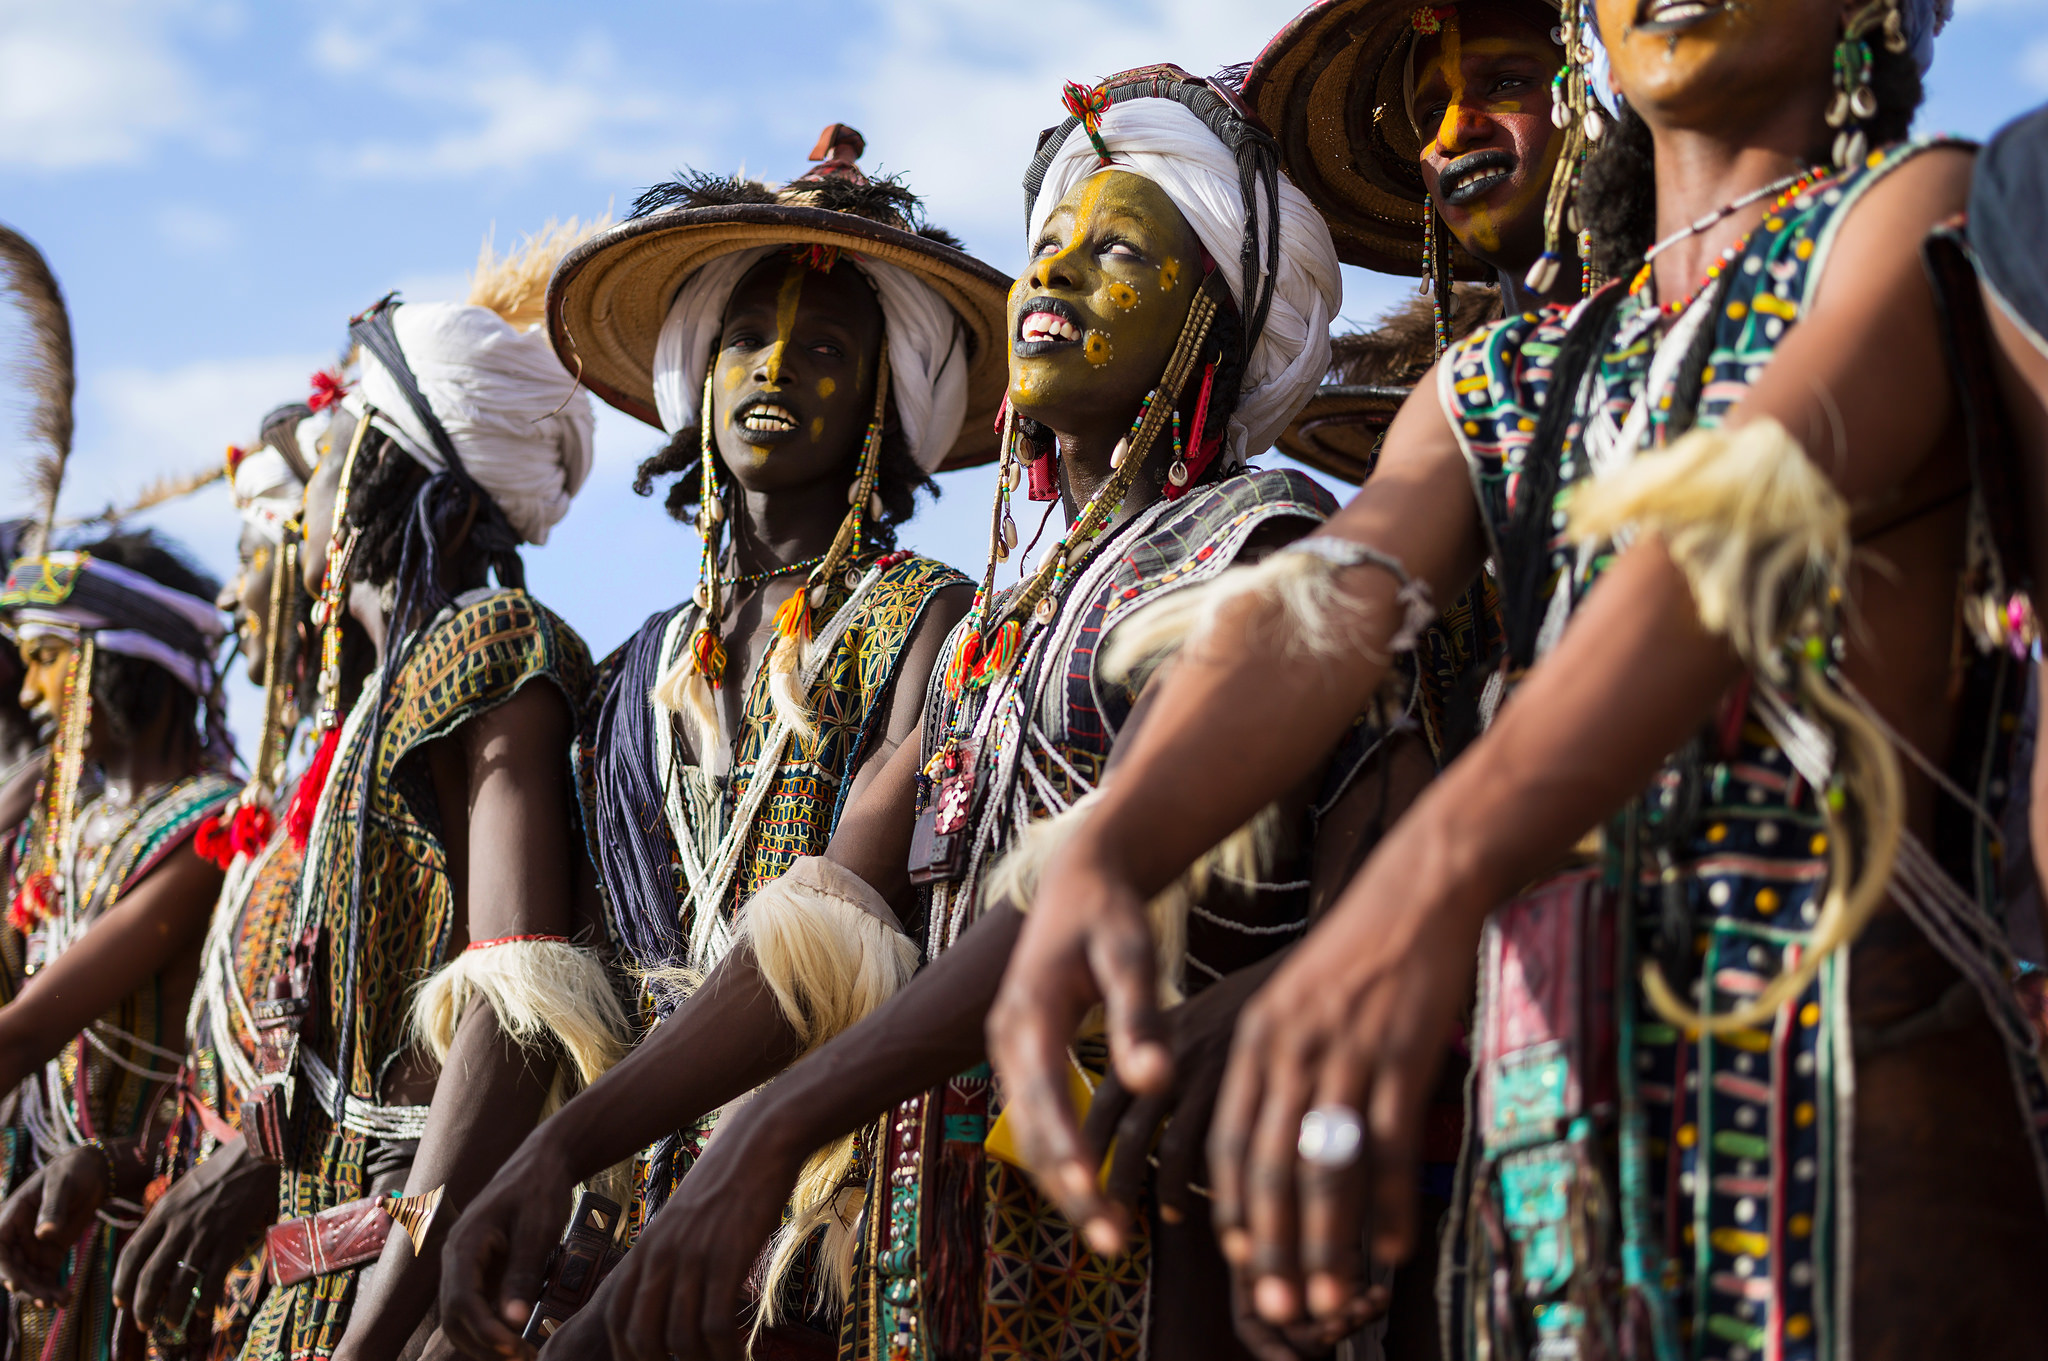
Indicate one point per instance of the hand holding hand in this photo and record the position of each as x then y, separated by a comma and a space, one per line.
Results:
1353, 1026
46, 1216
1085, 941
491, 1268
173, 1268
679, 1291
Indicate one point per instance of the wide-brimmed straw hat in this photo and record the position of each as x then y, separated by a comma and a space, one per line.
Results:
1340, 430
1328, 87
610, 296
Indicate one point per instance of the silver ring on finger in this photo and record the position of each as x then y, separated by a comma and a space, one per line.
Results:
1331, 1137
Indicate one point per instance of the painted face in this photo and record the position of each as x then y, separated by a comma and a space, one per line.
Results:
1100, 307
1482, 108
1708, 64
320, 493
47, 662
247, 598
793, 387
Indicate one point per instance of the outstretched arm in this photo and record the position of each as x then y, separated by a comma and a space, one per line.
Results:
1362, 1019
1241, 715
160, 919
727, 1038
678, 1291
504, 796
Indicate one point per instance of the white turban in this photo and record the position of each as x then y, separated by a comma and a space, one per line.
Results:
1163, 142
517, 418
267, 492
927, 350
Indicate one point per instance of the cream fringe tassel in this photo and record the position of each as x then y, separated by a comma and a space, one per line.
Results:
551, 998
1315, 617
1240, 858
829, 949
1763, 538
685, 692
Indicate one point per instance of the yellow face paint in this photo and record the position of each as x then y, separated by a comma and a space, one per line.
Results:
1169, 275
1123, 295
786, 300
817, 428
1482, 226
1096, 346
826, 387
1450, 57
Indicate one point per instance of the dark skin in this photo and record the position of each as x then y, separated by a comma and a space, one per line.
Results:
1482, 102
1482, 109
247, 598
679, 1291
1361, 1018
514, 869
210, 1216
792, 395
153, 931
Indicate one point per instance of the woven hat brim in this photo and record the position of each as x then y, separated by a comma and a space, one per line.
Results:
610, 296
1329, 89
1340, 430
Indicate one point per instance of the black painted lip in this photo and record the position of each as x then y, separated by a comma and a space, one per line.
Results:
1645, 24
1025, 349
1471, 177
760, 437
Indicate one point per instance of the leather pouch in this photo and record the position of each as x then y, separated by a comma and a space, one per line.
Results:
939, 838
345, 1236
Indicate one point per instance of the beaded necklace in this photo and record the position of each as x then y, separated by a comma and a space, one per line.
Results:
748, 580
1789, 188
991, 645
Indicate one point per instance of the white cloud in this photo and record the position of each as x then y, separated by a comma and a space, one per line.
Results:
506, 115
2034, 64
98, 82
994, 83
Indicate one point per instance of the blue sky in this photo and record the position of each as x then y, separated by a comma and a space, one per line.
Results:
220, 183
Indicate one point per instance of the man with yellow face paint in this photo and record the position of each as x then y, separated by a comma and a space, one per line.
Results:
1441, 152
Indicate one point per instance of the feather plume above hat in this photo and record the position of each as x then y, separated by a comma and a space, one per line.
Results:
48, 368
515, 285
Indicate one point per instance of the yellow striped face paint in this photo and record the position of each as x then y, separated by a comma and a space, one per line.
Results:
786, 300
1485, 86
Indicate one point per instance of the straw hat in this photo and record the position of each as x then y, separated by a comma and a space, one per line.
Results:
1340, 430
1329, 88
609, 297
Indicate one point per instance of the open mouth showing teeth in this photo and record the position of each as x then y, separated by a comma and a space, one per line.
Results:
1472, 177
1669, 16
767, 418
1047, 324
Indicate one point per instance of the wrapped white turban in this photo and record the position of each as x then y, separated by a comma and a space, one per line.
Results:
1163, 142
517, 418
927, 349
267, 492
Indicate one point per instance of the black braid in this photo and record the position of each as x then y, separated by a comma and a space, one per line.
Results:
129, 692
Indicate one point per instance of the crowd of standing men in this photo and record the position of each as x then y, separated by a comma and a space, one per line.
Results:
1228, 924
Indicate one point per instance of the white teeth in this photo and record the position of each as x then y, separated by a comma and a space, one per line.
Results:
768, 419
1047, 326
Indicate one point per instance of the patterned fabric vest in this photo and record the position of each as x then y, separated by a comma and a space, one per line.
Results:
662, 809
475, 656
245, 949
961, 1257
117, 1082
1633, 1189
